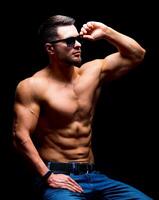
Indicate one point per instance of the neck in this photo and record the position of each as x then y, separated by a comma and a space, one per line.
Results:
64, 73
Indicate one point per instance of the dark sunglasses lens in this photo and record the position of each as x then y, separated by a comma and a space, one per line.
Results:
80, 39
70, 42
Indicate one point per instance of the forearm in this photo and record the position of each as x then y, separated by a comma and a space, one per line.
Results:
127, 46
26, 147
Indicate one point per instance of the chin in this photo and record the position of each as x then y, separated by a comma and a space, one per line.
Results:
76, 62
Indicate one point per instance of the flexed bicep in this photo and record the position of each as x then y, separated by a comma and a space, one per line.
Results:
115, 66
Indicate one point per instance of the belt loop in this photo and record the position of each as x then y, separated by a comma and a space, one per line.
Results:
87, 169
74, 167
49, 164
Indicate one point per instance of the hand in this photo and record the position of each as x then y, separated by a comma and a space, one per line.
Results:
63, 181
93, 30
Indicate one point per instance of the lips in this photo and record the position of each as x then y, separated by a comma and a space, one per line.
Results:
77, 53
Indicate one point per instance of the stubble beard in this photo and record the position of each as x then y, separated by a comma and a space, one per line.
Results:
74, 62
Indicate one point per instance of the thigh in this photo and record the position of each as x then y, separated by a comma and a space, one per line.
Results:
116, 190
61, 194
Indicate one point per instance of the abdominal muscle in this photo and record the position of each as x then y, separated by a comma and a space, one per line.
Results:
72, 144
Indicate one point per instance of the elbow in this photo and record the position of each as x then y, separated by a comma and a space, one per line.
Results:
139, 55
15, 141
19, 140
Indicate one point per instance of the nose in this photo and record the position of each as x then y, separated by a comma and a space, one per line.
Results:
77, 44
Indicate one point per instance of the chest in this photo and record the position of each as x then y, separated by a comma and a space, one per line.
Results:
70, 100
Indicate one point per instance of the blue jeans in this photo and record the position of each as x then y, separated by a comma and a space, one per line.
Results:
96, 186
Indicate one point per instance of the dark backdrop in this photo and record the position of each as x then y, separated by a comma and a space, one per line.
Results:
125, 124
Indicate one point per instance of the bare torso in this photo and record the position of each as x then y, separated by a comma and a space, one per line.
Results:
66, 111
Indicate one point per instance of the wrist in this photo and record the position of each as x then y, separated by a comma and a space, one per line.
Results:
46, 175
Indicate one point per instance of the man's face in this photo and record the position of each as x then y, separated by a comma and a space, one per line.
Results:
67, 45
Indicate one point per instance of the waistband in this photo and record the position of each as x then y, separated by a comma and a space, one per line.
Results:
72, 167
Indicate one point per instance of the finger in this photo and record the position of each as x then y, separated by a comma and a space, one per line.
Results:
88, 27
90, 24
71, 187
66, 184
74, 183
83, 30
67, 180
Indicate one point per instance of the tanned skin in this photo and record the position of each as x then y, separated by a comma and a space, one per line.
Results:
56, 105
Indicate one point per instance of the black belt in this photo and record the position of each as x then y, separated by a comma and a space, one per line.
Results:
73, 167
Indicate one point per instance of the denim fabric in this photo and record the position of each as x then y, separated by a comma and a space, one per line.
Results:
96, 186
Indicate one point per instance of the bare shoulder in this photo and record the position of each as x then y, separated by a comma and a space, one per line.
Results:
30, 87
24, 90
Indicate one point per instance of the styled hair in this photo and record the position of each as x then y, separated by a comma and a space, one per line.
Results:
48, 29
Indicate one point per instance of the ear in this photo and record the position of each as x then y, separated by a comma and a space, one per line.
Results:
49, 48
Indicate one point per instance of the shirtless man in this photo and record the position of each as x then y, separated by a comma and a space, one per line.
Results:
56, 105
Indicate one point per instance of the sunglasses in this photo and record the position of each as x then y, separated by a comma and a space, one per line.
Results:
70, 41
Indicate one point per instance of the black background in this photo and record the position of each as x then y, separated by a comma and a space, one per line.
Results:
125, 125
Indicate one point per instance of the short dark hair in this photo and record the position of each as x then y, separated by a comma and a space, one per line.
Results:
48, 29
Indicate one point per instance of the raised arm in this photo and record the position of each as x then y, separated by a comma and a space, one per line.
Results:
26, 112
129, 53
